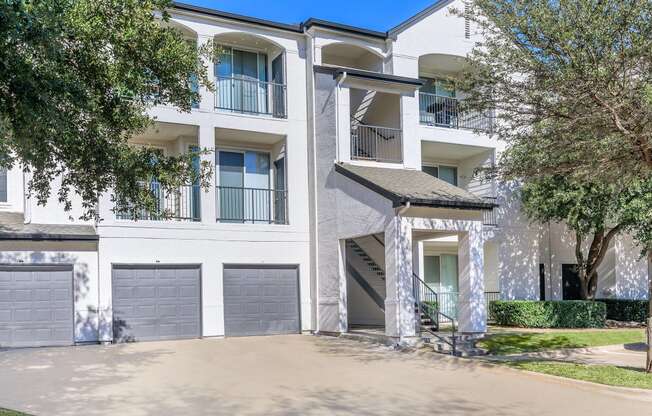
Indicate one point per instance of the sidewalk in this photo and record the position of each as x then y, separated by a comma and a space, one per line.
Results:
628, 355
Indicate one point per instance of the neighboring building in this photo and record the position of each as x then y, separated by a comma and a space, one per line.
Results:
344, 179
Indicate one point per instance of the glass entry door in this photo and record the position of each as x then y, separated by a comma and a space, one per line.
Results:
441, 275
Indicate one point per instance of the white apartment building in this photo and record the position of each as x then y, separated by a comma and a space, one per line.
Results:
344, 194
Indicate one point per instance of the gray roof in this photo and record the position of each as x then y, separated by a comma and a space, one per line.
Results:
13, 227
414, 186
300, 27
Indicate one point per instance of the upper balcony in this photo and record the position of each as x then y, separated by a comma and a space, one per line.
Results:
440, 99
249, 182
250, 75
376, 134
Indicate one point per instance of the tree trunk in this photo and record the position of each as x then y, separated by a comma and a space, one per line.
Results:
648, 363
588, 265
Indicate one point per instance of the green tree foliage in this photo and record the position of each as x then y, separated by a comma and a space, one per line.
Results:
572, 85
571, 82
594, 211
76, 79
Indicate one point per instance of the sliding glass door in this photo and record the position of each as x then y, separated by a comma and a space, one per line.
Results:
241, 80
244, 187
441, 275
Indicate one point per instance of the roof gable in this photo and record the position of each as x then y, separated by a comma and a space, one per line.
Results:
438, 5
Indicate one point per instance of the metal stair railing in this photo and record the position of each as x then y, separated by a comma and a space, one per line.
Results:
427, 302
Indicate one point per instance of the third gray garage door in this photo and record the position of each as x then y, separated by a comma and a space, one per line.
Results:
261, 300
156, 302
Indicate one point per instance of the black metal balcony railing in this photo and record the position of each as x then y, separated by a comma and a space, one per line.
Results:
490, 217
251, 96
380, 144
181, 204
436, 110
251, 205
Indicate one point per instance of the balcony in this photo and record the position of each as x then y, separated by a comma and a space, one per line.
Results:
251, 205
181, 204
490, 218
375, 143
441, 111
251, 96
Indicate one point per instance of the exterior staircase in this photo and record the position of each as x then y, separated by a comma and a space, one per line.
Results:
371, 264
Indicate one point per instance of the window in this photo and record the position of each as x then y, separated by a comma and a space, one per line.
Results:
438, 86
3, 185
445, 173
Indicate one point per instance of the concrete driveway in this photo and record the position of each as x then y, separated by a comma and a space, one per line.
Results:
289, 375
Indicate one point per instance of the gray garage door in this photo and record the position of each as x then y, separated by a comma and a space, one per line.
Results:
261, 300
36, 306
156, 303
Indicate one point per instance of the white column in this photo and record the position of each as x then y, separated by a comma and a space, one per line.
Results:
208, 201
207, 102
343, 124
400, 318
409, 126
472, 315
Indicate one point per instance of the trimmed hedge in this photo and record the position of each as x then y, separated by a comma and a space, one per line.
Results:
626, 310
548, 314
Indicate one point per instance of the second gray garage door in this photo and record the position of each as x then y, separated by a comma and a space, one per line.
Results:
261, 300
156, 302
36, 306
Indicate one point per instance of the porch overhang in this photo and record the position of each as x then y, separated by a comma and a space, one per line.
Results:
13, 228
357, 78
413, 187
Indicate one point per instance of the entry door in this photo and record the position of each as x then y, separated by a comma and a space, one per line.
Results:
571, 282
231, 190
542, 282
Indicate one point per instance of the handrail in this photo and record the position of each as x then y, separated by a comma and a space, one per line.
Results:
427, 309
374, 129
378, 239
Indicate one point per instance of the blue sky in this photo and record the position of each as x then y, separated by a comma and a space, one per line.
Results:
378, 15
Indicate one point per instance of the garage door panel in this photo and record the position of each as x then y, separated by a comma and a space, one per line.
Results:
261, 300
155, 303
36, 306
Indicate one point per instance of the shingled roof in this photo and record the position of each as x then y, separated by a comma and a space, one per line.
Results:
414, 186
13, 227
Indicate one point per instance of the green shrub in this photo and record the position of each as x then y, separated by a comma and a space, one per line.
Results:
548, 314
626, 310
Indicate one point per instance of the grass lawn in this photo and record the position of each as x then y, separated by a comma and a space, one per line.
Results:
5, 412
515, 343
602, 374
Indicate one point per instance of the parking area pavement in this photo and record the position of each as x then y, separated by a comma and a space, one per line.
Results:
286, 375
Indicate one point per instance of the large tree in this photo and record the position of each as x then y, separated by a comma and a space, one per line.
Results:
76, 79
594, 212
571, 82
